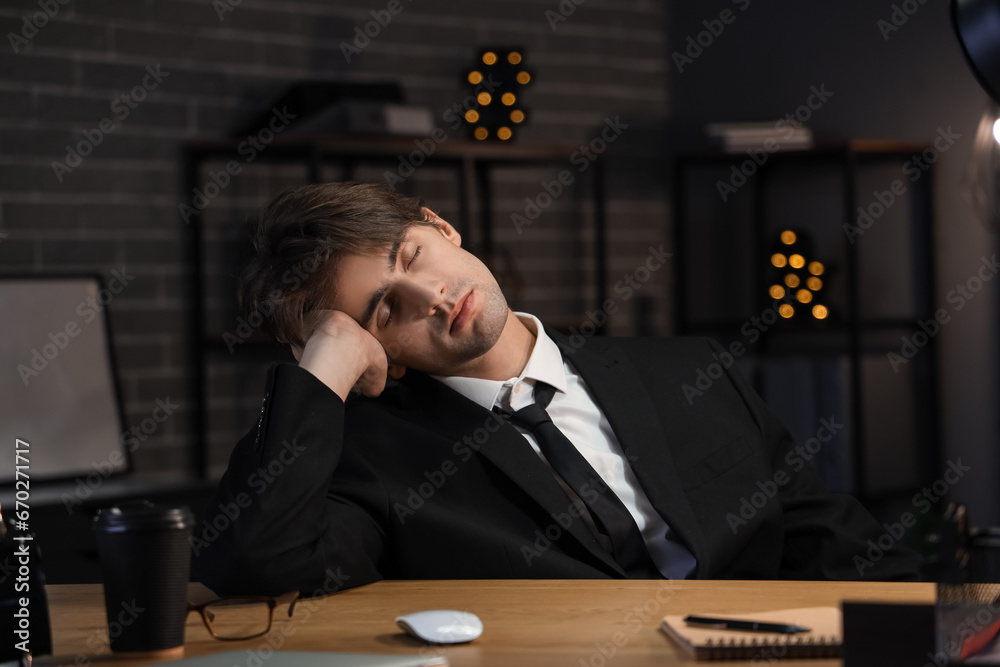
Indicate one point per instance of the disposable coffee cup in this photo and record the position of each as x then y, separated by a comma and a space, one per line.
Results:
146, 561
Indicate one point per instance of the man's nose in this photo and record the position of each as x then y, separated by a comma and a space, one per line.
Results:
430, 297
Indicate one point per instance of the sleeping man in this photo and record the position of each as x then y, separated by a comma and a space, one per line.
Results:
429, 432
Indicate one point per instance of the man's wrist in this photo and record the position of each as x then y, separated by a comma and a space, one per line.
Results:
338, 379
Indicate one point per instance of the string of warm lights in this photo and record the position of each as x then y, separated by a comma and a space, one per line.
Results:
496, 114
797, 278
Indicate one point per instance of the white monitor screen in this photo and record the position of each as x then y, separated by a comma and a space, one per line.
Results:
57, 382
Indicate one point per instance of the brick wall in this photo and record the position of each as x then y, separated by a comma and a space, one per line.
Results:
203, 69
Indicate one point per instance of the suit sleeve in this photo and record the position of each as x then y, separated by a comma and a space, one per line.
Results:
295, 510
827, 536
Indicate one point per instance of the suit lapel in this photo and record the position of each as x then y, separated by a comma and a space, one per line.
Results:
642, 428
457, 418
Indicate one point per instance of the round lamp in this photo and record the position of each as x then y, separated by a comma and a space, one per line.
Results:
977, 24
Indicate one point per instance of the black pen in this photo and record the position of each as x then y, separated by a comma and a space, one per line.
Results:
733, 624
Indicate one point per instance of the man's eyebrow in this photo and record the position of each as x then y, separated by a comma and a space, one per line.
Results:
373, 301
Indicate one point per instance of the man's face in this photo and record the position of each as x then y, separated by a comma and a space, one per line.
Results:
432, 305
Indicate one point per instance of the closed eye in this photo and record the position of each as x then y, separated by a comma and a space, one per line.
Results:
390, 304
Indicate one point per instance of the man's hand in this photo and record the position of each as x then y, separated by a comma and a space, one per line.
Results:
344, 356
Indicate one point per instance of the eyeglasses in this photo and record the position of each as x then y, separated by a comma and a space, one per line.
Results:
241, 617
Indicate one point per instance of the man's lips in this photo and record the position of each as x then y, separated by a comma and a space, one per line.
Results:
463, 309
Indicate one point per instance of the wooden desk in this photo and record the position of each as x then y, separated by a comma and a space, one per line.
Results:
565, 622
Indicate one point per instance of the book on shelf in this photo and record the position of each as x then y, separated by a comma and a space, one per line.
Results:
769, 136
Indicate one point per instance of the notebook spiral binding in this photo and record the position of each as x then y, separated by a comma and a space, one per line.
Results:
793, 647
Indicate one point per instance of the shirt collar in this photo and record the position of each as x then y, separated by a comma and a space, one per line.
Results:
545, 364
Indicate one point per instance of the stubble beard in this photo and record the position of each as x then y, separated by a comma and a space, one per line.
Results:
487, 327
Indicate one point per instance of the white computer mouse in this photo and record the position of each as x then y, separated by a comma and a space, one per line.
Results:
442, 626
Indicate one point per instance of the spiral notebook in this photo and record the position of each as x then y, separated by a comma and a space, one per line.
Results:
824, 640
311, 659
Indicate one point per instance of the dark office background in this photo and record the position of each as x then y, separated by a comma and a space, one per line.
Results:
609, 60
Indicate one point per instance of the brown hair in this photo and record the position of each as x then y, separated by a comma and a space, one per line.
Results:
299, 238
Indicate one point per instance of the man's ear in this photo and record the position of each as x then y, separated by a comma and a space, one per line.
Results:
446, 229
396, 371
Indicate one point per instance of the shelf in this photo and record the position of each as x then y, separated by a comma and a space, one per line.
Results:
873, 325
390, 147
862, 148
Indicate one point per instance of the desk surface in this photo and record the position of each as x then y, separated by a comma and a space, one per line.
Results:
564, 622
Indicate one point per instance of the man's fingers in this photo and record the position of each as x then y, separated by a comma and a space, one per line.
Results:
343, 355
371, 383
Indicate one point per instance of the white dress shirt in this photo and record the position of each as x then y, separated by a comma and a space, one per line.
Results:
575, 413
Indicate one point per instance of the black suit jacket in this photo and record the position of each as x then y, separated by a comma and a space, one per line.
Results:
421, 483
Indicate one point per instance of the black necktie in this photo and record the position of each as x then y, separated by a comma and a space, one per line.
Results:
621, 536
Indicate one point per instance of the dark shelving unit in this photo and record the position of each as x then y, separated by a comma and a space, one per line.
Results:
747, 223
